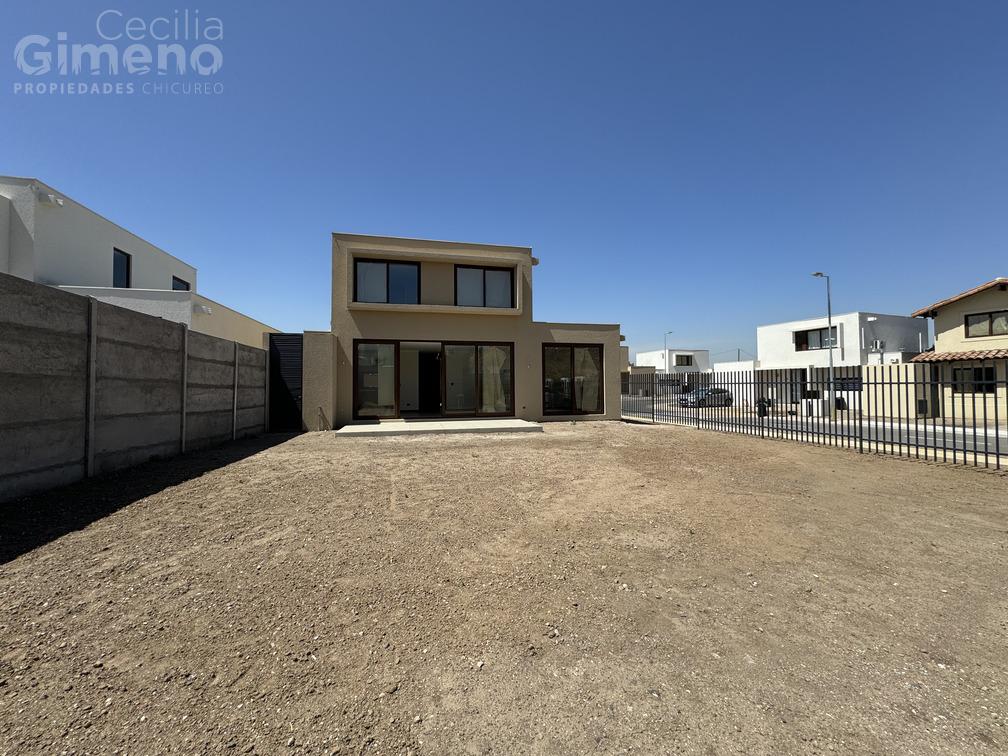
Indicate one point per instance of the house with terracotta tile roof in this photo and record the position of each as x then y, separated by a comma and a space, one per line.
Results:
970, 355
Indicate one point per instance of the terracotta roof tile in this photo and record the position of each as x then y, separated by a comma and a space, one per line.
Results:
982, 354
927, 311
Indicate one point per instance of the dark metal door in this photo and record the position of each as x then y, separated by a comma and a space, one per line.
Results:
286, 354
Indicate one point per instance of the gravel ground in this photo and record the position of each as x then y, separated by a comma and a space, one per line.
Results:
597, 588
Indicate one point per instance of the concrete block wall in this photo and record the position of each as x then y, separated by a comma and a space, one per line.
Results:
87, 388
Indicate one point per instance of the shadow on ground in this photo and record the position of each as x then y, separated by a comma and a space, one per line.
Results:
34, 520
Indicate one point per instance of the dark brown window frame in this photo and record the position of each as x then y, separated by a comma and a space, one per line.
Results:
835, 336
355, 361
386, 263
484, 268
129, 268
188, 286
573, 346
990, 324
479, 377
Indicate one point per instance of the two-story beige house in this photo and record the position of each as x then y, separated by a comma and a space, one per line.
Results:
444, 329
971, 351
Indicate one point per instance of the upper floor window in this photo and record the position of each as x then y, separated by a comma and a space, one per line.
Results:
387, 282
987, 324
122, 269
477, 286
816, 338
179, 284
684, 360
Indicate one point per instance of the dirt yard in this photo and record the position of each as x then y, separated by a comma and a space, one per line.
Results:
600, 588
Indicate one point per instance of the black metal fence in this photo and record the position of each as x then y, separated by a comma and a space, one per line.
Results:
940, 411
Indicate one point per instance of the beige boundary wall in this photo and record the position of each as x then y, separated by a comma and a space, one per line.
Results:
87, 388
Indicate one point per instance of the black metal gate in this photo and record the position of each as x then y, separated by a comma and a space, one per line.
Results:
286, 355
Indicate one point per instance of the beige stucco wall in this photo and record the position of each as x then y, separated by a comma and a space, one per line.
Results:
225, 323
436, 319
950, 323
318, 389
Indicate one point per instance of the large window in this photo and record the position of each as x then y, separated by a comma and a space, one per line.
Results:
386, 282
478, 379
484, 287
572, 379
460, 378
987, 324
179, 284
974, 380
684, 360
496, 387
122, 269
816, 338
375, 379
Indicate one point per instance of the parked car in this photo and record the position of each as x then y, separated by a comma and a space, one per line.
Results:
707, 397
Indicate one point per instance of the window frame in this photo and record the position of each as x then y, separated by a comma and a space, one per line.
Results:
188, 286
484, 268
834, 337
687, 357
988, 385
129, 268
990, 324
386, 263
573, 346
479, 379
356, 384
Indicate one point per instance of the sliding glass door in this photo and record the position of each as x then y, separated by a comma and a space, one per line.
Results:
478, 379
460, 379
375, 379
572, 379
496, 387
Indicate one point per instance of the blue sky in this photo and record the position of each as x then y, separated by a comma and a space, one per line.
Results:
675, 165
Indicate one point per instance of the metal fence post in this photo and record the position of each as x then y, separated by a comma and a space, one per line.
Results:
654, 395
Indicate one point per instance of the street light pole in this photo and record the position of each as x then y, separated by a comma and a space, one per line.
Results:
829, 335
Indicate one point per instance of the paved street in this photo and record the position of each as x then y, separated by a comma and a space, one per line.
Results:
915, 433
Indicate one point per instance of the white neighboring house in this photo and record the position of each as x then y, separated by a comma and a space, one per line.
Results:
48, 238
675, 360
860, 338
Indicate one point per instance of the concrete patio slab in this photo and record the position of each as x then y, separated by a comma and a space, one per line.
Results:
399, 427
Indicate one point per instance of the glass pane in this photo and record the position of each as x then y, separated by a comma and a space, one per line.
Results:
495, 377
371, 282
498, 288
999, 322
469, 287
557, 379
830, 340
376, 380
588, 379
402, 283
815, 339
976, 325
460, 378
